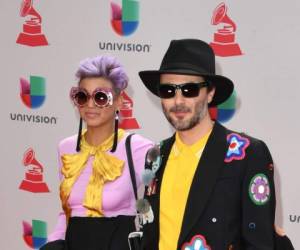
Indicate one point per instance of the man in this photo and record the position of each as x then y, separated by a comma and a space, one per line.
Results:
213, 188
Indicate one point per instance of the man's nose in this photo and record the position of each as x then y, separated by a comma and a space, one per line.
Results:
178, 98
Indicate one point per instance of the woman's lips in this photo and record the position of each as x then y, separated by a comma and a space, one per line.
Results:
91, 114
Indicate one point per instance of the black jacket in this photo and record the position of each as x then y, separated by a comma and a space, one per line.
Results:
231, 202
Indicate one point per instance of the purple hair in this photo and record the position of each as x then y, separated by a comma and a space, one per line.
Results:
104, 66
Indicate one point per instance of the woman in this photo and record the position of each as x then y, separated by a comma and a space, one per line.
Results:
96, 190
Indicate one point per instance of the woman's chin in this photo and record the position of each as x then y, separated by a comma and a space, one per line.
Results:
93, 124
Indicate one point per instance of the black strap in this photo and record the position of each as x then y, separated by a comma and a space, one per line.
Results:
130, 164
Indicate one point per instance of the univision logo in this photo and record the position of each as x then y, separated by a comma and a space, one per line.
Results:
295, 218
225, 111
33, 92
125, 18
33, 95
35, 235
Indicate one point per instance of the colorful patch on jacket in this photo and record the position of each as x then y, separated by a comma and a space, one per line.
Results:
147, 217
151, 188
271, 166
152, 165
156, 164
237, 147
198, 242
259, 189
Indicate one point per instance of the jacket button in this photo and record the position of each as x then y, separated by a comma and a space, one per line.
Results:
252, 225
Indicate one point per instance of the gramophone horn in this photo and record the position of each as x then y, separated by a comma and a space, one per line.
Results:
27, 9
220, 16
29, 158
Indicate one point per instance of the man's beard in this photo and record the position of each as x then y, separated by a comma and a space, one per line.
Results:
201, 110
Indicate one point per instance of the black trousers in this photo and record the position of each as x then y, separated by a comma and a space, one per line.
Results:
89, 233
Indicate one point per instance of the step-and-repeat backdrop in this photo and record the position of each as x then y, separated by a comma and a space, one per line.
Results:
42, 42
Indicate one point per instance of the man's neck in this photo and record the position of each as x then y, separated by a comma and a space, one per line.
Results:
191, 136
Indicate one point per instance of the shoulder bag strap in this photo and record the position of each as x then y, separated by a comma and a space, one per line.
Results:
130, 164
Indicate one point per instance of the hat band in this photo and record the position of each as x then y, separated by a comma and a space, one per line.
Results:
182, 66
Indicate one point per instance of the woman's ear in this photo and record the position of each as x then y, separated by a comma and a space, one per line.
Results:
119, 101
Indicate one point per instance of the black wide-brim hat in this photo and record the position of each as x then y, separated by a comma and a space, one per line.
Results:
190, 57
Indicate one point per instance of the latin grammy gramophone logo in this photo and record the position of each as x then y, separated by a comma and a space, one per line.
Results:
127, 120
33, 181
224, 38
32, 30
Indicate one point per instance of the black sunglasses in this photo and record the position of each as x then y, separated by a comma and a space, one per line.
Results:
191, 89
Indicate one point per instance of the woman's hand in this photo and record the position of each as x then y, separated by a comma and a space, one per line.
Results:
279, 231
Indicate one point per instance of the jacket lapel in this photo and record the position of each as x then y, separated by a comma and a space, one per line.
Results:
207, 172
164, 153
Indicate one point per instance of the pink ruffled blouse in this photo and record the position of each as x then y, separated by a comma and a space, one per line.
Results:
118, 195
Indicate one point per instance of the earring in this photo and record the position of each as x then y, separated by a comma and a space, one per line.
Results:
115, 144
79, 136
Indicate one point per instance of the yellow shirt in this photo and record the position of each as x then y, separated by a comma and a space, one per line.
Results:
177, 179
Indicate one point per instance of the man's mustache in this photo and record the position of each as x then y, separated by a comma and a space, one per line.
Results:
180, 108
